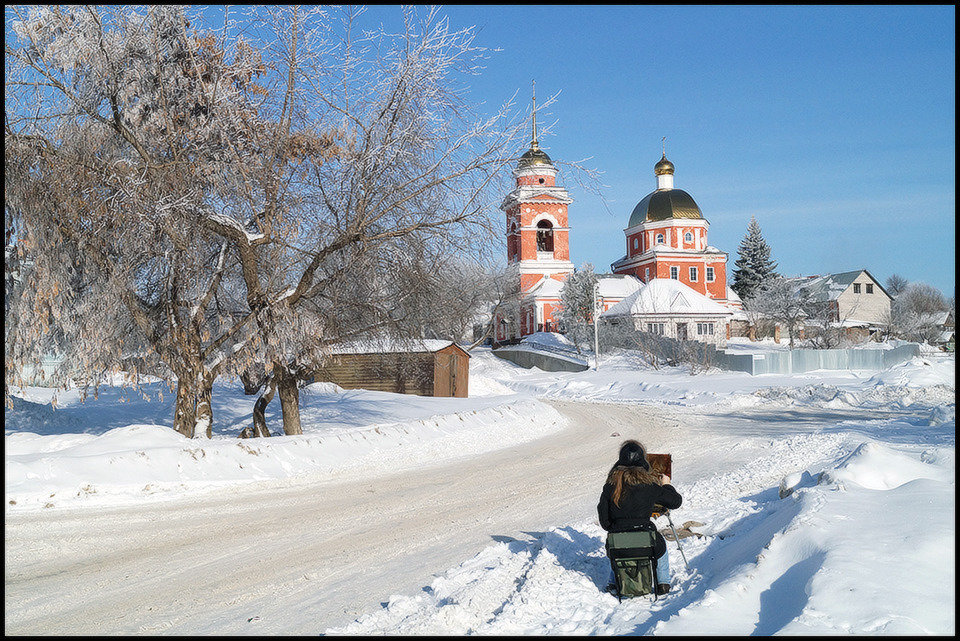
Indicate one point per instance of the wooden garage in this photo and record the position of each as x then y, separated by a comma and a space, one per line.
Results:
423, 367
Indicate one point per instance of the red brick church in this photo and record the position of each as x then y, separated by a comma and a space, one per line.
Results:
666, 237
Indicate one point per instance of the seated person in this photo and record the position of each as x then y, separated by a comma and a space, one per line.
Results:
628, 499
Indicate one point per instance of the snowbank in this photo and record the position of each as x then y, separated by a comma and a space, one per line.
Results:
343, 430
550, 339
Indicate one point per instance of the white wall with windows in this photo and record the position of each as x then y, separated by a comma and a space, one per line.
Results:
707, 329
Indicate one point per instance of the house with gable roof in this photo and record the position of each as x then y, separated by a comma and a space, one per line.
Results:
855, 298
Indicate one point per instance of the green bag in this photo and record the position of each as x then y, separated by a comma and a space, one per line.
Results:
633, 560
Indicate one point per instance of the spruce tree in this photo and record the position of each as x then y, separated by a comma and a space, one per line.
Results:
754, 266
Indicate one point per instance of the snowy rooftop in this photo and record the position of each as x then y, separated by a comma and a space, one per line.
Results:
829, 286
667, 296
389, 345
618, 286
547, 287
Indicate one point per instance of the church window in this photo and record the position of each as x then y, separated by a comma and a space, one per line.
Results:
693, 274
659, 239
869, 288
541, 181
709, 274
675, 273
856, 288
688, 237
646, 275
544, 236
705, 329
636, 243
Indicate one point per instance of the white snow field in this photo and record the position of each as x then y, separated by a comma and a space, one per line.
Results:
399, 514
127, 452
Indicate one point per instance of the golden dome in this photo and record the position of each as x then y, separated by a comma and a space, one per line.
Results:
664, 204
663, 167
535, 156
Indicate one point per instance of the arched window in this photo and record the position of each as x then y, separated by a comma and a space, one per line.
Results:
659, 239
688, 237
544, 236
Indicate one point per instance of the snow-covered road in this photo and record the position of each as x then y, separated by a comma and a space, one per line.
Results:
323, 553
296, 558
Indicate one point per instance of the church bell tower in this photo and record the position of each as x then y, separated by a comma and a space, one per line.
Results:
538, 235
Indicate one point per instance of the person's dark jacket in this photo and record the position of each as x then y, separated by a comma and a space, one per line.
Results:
636, 506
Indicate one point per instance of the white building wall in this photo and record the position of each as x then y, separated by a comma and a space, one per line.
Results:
719, 338
871, 308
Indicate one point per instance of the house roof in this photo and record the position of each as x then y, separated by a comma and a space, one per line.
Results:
667, 296
618, 285
830, 286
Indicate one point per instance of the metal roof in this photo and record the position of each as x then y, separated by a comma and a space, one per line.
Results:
534, 156
830, 286
664, 204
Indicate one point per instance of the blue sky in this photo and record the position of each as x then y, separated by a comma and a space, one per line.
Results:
834, 126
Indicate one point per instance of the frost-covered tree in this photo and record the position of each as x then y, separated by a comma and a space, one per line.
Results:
112, 144
916, 312
576, 313
237, 196
778, 299
754, 267
498, 290
895, 284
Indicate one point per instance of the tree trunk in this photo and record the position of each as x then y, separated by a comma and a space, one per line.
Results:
487, 332
259, 420
185, 411
204, 417
251, 382
289, 400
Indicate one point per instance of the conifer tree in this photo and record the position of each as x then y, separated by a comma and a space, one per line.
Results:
754, 266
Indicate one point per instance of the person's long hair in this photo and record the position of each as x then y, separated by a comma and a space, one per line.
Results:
625, 473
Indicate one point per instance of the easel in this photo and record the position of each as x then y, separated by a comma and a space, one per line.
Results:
663, 464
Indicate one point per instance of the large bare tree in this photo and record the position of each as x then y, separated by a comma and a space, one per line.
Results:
237, 196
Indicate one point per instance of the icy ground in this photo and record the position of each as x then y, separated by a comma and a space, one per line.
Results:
494, 496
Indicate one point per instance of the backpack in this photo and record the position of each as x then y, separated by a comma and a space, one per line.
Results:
633, 558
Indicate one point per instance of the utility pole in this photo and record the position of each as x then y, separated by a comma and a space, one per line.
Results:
597, 309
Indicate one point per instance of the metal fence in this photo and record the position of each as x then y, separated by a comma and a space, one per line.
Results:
671, 351
798, 361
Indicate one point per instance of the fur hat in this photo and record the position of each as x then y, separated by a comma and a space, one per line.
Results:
633, 455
